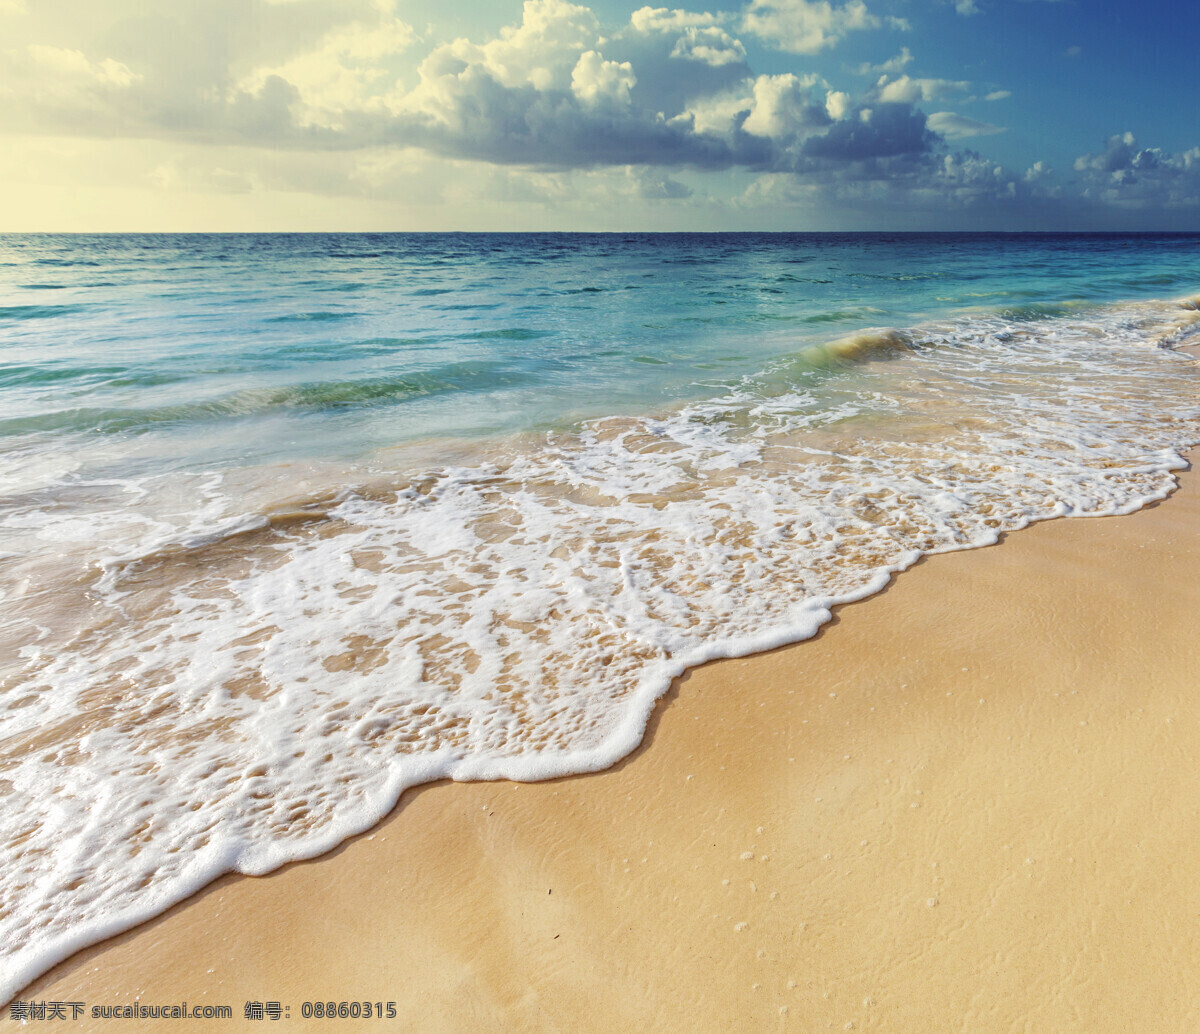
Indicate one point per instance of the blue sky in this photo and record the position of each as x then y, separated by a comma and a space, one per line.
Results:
548, 114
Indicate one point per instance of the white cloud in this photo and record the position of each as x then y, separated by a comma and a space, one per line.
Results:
551, 33
349, 69
806, 26
698, 35
966, 7
1038, 171
541, 52
893, 64
1137, 177
906, 90
837, 104
1120, 154
718, 113
967, 177
783, 107
75, 65
998, 95
595, 80
955, 127
661, 19
712, 46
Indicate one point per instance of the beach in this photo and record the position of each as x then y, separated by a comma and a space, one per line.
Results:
540, 516
968, 804
465, 531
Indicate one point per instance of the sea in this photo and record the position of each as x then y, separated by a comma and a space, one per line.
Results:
291, 523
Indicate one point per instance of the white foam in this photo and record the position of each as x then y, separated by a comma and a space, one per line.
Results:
239, 697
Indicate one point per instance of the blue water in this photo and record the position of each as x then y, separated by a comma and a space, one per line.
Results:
289, 524
201, 349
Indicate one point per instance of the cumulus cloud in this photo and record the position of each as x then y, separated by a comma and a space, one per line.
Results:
807, 26
544, 105
640, 97
906, 90
869, 134
688, 36
1037, 172
343, 98
596, 81
677, 56
349, 68
784, 108
661, 19
837, 104
967, 177
954, 127
1129, 176
545, 92
1119, 154
669, 90
540, 52
956, 181
713, 46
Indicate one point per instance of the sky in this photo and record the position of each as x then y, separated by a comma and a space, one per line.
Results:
273, 115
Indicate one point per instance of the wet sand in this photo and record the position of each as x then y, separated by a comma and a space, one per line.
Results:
972, 803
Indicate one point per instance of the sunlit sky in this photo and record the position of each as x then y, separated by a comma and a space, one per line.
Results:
147, 115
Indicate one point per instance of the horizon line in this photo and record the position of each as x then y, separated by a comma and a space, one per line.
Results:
597, 233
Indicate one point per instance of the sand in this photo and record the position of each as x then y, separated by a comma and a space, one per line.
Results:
971, 804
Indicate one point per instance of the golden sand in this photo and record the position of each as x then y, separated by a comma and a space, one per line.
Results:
971, 804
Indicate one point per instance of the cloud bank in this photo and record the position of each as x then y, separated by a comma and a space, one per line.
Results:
648, 107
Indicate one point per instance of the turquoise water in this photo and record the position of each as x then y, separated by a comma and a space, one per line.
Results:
234, 349
291, 523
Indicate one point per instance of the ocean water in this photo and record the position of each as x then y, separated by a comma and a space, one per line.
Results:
289, 523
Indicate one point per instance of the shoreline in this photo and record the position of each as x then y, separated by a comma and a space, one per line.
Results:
805, 769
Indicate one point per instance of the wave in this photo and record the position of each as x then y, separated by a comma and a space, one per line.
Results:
864, 345
839, 315
259, 402
38, 312
313, 317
